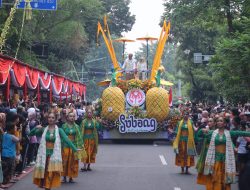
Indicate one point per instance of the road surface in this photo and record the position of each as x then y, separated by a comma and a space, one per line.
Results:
129, 167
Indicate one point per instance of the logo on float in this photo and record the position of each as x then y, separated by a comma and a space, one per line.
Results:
136, 125
135, 97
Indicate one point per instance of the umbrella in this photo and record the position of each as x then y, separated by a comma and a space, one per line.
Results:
123, 40
166, 83
105, 82
147, 38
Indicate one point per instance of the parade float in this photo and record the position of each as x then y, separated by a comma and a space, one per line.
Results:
135, 108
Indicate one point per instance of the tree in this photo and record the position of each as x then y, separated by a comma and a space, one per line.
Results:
231, 66
119, 16
198, 26
69, 31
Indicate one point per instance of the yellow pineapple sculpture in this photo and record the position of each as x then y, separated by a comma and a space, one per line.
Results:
113, 101
157, 104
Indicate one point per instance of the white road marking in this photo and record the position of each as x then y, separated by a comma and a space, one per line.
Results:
163, 160
155, 144
177, 188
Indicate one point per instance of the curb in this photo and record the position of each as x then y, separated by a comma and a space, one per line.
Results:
21, 176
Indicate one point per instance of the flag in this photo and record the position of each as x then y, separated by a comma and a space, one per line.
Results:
105, 23
170, 99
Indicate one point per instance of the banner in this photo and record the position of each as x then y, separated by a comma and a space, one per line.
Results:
136, 125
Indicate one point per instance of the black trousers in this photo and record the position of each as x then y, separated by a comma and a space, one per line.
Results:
8, 167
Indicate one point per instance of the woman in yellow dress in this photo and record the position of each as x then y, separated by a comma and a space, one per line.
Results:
70, 161
89, 127
48, 168
183, 144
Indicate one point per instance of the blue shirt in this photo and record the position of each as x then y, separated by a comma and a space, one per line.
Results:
9, 146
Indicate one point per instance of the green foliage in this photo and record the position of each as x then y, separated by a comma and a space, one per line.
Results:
70, 33
119, 16
198, 26
92, 91
231, 66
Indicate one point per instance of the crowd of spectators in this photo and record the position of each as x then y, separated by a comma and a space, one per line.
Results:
18, 149
238, 118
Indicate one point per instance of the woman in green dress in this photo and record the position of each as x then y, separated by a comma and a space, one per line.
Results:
89, 127
219, 166
201, 178
48, 168
71, 160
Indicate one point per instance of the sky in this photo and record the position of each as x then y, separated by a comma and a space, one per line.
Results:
148, 14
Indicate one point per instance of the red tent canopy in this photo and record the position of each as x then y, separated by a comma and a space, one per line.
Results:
32, 78
19, 73
5, 66
23, 74
45, 79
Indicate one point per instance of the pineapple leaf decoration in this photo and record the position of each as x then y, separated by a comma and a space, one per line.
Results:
158, 78
113, 79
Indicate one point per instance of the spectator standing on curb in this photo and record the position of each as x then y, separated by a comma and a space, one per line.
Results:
9, 152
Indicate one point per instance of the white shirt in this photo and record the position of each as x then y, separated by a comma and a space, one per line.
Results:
242, 145
142, 66
129, 64
80, 112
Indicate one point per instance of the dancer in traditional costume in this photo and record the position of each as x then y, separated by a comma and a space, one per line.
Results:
89, 127
219, 165
201, 178
70, 161
184, 145
48, 168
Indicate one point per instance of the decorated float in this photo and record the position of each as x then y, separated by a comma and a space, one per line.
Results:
135, 108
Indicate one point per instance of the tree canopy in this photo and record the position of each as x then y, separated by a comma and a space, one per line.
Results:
69, 33
211, 28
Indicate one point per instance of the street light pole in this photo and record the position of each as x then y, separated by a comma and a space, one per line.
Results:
186, 52
82, 72
179, 85
147, 58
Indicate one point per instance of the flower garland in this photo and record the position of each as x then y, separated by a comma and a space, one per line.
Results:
125, 86
7, 25
137, 112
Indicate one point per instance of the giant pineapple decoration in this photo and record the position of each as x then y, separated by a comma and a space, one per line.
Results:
157, 101
113, 101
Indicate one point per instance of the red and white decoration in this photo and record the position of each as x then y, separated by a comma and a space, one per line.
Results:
135, 97
23, 75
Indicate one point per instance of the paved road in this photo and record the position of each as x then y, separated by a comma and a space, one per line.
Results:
129, 166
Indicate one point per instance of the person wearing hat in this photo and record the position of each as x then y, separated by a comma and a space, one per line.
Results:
184, 145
